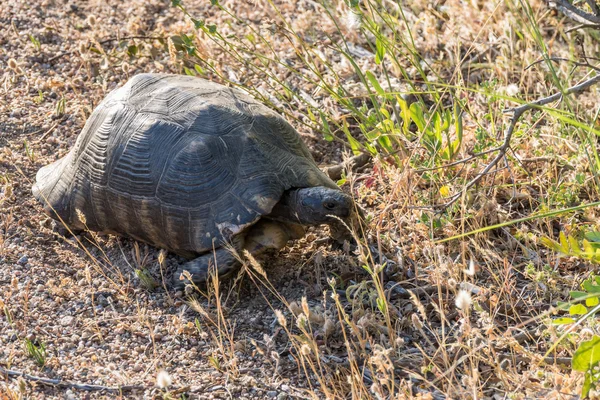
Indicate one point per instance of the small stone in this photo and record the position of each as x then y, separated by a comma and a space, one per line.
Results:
23, 260
67, 320
272, 393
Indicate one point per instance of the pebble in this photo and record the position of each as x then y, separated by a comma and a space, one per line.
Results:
272, 393
23, 260
67, 320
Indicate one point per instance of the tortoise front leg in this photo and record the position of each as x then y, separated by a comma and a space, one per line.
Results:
268, 234
222, 259
264, 235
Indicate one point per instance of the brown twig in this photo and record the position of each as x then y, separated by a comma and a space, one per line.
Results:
562, 362
335, 172
517, 112
68, 385
49, 131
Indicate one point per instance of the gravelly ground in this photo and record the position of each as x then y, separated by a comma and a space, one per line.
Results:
96, 331
99, 324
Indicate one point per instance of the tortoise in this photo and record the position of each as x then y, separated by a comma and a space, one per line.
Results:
189, 165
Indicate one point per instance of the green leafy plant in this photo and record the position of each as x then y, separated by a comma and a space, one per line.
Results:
568, 245
146, 279
585, 302
36, 43
37, 351
61, 104
28, 151
40, 97
435, 128
586, 359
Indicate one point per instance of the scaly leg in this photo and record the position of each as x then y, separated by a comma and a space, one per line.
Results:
264, 235
199, 268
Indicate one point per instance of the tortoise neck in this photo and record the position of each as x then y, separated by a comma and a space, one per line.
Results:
286, 209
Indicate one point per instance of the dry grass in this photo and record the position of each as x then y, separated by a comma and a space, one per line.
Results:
405, 315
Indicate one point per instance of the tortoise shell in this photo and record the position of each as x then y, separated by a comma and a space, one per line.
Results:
179, 162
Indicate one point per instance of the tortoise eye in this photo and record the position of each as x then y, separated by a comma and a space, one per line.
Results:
329, 205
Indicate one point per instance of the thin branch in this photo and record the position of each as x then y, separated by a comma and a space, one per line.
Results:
517, 112
558, 59
353, 163
58, 383
574, 13
577, 27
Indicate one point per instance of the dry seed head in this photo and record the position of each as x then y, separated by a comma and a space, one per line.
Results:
305, 350
91, 20
172, 50
280, 318
331, 281
376, 389
12, 64
416, 322
295, 308
82, 48
22, 385
255, 264
418, 304
452, 283
305, 307
163, 380
471, 270
185, 275
587, 333
353, 20
301, 321
328, 327
125, 67
463, 300
80, 216
512, 90
196, 306
381, 358
335, 296
162, 256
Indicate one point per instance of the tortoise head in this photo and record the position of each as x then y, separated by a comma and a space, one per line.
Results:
314, 206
